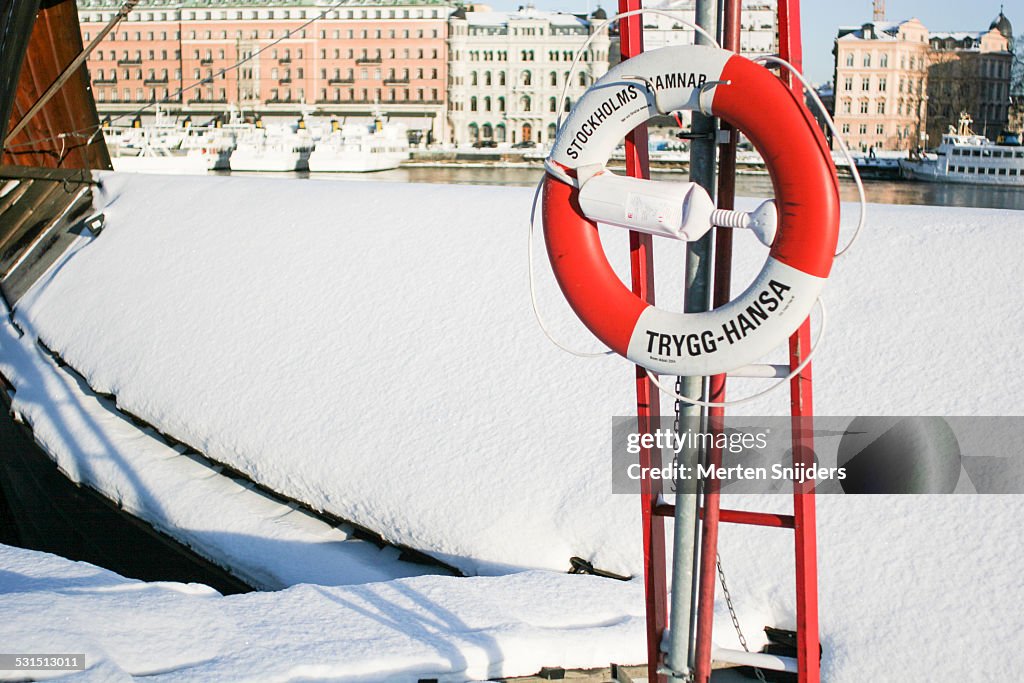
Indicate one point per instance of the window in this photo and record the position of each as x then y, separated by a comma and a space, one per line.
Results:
527, 78
865, 83
846, 128
848, 83
880, 129
472, 104
867, 60
863, 129
849, 59
847, 107
883, 61
881, 107
881, 84
863, 106
552, 104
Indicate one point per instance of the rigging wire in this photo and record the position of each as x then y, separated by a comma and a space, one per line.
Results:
183, 90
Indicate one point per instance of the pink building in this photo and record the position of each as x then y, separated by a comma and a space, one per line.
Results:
387, 55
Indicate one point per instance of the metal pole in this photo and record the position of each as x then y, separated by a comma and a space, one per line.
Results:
641, 256
681, 657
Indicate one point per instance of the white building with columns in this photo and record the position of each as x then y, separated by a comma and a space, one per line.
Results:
758, 25
507, 71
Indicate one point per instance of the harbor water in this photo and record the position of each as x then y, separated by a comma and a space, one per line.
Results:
759, 185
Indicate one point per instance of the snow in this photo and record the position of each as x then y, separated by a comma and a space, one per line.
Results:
266, 543
448, 628
368, 349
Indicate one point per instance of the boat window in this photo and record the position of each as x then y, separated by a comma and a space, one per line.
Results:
975, 152
1002, 171
1019, 155
991, 171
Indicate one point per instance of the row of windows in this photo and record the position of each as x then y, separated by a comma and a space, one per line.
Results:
864, 105
274, 54
525, 104
102, 75
530, 56
985, 171
270, 14
388, 95
879, 130
989, 153
276, 95
908, 85
526, 78
883, 60
377, 34
498, 132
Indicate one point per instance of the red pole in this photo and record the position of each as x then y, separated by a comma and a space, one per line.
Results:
641, 259
802, 410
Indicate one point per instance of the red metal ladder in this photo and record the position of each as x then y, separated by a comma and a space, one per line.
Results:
802, 521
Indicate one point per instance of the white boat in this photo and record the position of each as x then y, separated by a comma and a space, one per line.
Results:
216, 142
272, 150
964, 157
161, 159
170, 146
360, 149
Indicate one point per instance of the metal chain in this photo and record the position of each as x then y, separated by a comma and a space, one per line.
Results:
732, 612
677, 426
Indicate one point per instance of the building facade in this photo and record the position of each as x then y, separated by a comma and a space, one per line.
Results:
759, 27
900, 87
880, 85
508, 71
366, 55
969, 72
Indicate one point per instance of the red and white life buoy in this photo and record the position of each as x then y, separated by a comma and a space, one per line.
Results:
806, 189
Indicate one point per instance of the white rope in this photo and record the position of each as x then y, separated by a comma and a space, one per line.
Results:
835, 136
746, 399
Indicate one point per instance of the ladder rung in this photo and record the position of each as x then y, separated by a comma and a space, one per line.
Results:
759, 660
764, 370
736, 516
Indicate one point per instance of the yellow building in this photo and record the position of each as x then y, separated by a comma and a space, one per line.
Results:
881, 81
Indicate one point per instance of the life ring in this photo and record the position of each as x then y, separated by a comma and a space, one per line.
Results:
752, 99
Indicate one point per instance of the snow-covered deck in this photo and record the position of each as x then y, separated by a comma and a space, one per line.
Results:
368, 349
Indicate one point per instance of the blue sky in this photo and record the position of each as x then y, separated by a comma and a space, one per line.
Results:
821, 18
